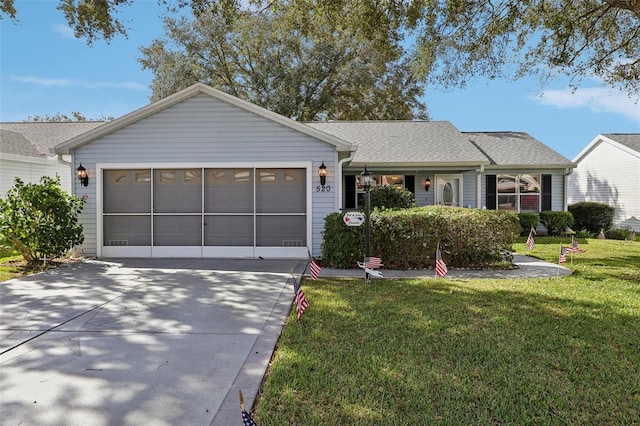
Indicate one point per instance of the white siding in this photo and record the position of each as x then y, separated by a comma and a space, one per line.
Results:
30, 171
610, 176
204, 130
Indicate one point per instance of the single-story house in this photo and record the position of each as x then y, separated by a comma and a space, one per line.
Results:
26, 151
204, 174
608, 171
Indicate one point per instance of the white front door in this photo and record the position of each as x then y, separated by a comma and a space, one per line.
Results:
449, 190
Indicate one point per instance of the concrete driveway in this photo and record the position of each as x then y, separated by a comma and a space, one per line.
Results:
132, 342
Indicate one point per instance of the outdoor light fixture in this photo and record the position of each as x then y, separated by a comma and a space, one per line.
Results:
82, 175
365, 179
427, 184
322, 172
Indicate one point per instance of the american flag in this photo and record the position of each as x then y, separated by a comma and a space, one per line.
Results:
247, 420
530, 243
301, 300
372, 262
246, 417
314, 267
441, 267
563, 255
574, 247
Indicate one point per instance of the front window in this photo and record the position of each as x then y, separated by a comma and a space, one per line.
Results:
519, 193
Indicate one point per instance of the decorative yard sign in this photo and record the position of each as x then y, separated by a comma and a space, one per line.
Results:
353, 218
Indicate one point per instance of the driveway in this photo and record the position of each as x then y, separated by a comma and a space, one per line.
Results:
131, 342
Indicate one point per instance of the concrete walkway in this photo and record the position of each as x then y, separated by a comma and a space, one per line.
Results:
153, 341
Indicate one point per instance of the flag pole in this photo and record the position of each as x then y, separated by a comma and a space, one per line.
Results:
559, 254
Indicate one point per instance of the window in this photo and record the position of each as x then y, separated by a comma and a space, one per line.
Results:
519, 193
378, 180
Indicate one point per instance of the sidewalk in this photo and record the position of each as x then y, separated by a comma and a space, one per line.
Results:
527, 267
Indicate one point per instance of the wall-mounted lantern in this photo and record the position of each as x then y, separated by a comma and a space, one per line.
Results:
322, 172
81, 172
427, 184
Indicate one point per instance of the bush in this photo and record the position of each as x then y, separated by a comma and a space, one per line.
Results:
592, 216
617, 233
556, 222
390, 197
407, 239
528, 221
41, 220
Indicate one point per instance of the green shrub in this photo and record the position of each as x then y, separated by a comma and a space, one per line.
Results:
556, 222
407, 239
617, 233
592, 216
390, 197
41, 220
528, 221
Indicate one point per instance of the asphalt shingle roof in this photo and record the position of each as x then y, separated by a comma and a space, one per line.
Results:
630, 140
516, 149
404, 142
37, 139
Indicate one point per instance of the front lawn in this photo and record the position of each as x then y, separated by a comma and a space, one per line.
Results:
478, 351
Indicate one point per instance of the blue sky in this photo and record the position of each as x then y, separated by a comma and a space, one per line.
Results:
44, 70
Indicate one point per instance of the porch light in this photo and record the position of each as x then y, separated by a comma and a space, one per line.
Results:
82, 175
322, 172
427, 184
365, 179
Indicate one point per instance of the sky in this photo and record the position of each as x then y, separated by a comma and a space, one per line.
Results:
45, 70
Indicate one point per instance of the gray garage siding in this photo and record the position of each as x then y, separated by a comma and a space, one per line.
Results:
206, 130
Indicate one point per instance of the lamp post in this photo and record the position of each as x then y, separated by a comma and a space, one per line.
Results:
365, 181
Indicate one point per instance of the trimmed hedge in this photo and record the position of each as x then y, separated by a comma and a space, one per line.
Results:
407, 239
390, 197
592, 216
556, 222
528, 221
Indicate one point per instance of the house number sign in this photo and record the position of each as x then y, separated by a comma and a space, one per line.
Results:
323, 188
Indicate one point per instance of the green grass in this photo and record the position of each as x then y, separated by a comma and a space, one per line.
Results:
8, 258
548, 351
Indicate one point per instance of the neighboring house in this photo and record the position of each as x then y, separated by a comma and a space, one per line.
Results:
202, 173
608, 172
26, 151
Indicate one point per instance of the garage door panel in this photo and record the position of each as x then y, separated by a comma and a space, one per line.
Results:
281, 231
177, 191
228, 231
127, 230
177, 231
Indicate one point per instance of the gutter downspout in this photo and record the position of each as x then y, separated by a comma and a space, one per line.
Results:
479, 186
567, 172
352, 153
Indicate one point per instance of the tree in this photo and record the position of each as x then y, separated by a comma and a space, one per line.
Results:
324, 72
455, 40
63, 118
41, 220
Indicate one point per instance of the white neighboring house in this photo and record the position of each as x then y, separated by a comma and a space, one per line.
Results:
26, 151
608, 172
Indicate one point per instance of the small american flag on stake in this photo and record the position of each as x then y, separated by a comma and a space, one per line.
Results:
246, 417
563, 255
314, 267
574, 247
372, 262
530, 243
300, 299
441, 267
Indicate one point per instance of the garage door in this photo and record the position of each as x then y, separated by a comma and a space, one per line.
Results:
210, 212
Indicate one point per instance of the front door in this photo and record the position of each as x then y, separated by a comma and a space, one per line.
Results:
449, 190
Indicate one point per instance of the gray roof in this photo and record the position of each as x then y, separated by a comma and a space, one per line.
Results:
630, 140
516, 149
37, 139
405, 143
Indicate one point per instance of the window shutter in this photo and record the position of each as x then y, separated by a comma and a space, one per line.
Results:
546, 193
350, 192
491, 186
410, 183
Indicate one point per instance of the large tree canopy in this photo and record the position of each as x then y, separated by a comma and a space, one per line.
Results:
324, 72
452, 40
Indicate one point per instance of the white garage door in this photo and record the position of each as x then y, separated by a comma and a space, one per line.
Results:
210, 212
